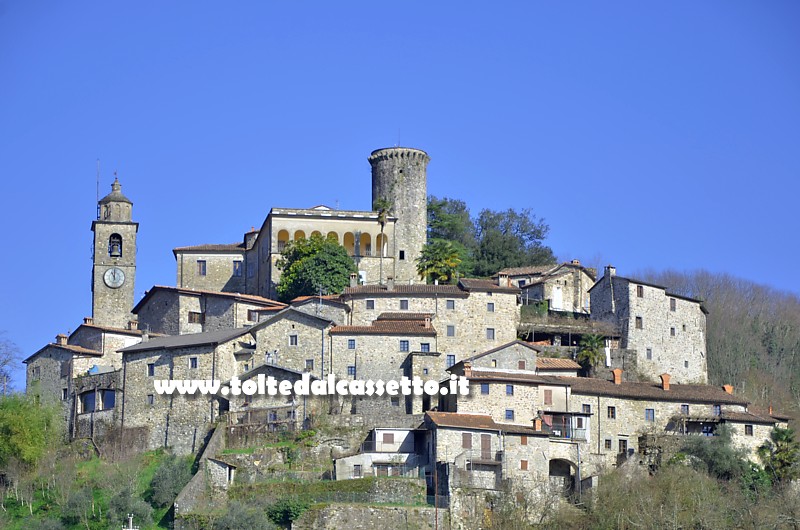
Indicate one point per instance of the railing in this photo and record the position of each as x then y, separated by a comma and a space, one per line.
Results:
483, 456
569, 433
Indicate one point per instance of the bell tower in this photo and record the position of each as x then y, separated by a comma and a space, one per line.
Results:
114, 259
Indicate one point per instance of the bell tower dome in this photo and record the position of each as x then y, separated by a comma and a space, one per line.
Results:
114, 259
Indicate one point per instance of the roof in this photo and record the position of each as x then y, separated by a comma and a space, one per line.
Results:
747, 417
655, 285
445, 290
527, 271
388, 327
116, 194
248, 298
471, 284
290, 310
211, 247
118, 331
480, 422
78, 350
326, 299
211, 338
553, 363
502, 347
404, 316
326, 213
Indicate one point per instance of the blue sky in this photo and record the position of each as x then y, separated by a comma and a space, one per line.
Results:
648, 135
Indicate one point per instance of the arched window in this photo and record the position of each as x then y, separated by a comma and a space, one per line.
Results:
115, 246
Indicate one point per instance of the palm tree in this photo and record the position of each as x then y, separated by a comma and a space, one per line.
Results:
781, 454
383, 206
439, 260
591, 351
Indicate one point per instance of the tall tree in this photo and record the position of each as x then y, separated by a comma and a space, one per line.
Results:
449, 219
311, 265
383, 206
510, 239
591, 351
9, 353
781, 455
439, 261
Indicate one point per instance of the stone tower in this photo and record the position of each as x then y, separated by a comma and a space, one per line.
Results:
114, 260
399, 175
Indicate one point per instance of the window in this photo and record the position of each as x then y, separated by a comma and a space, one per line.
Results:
490, 307
548, 397
201, 267
64, 398
649, 354
151, 369
494, 363
640, 291
351, 344
309, 365
672, 332
115, 246
403, 345
579, 422
451, 330
292, 340
586, 408
451, 360
192, 362
246, 367
717, 410
237, 268
509, 414
424, 371
639, 323
395, 401
748, 430
451, 304
466, 440
509, 390
351, 370
686, 364
485, 389
685, 410
388, 437
357, 471
672, 304
521, 365
196, 317
684, 327
489, 333
523, 440
623, 446
252, 315
370, 304
607, 443
612, 413
425, 347
649, 415
522, 283
151, 399
404, 305
402, 255
523, 465
35, 373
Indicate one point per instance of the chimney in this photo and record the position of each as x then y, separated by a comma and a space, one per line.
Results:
576, 262
665, 381
427, 322
133, 325
502, 280
88, 320
617, 375
611, 270
389, 283
145, 336
728, 388
537, 424
61, 339
467, 369
770, 409
353, 279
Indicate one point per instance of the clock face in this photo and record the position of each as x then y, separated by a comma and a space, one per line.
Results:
114, 277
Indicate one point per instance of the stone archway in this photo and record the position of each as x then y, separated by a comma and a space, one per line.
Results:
562, 475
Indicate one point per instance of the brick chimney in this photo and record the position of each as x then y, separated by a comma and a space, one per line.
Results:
353, 279
576, 262
133, 325
665, 381
427, 322
770, 409
617, 372
728, 388
537, 424
611, 270
502, 280
389, 283
61, 339
467, 369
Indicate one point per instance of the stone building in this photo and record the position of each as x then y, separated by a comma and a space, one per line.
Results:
667, 330
382, 248
564, 287
176, 311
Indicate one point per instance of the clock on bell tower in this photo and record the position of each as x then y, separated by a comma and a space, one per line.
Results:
114, 260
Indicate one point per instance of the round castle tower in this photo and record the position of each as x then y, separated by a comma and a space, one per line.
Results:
399, 175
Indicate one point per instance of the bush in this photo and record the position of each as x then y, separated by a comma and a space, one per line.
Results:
286, 510
126, 502
168, 480
239, 516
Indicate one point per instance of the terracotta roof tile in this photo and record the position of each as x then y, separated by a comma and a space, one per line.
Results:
471, 284
747, 417
524, 271
211, 247
247, 298
404, 316
503, 347
387, 327
482, 422
449, 290
553, 363
72, 348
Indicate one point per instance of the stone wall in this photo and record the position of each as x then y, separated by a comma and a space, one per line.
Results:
219, 271
49, 373
357, 517
311, 338
524, 402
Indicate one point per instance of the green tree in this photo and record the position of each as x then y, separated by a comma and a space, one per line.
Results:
717, 455
591, 351
27, 429
286, 510
169, 479
439, 261
510, 239
383, 206
313, 264
238, 516
781, 455
449, 219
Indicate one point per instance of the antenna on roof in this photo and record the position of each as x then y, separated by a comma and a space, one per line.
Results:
97, 191
398, 138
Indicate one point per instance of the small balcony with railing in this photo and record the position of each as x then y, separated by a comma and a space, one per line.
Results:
568, 425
